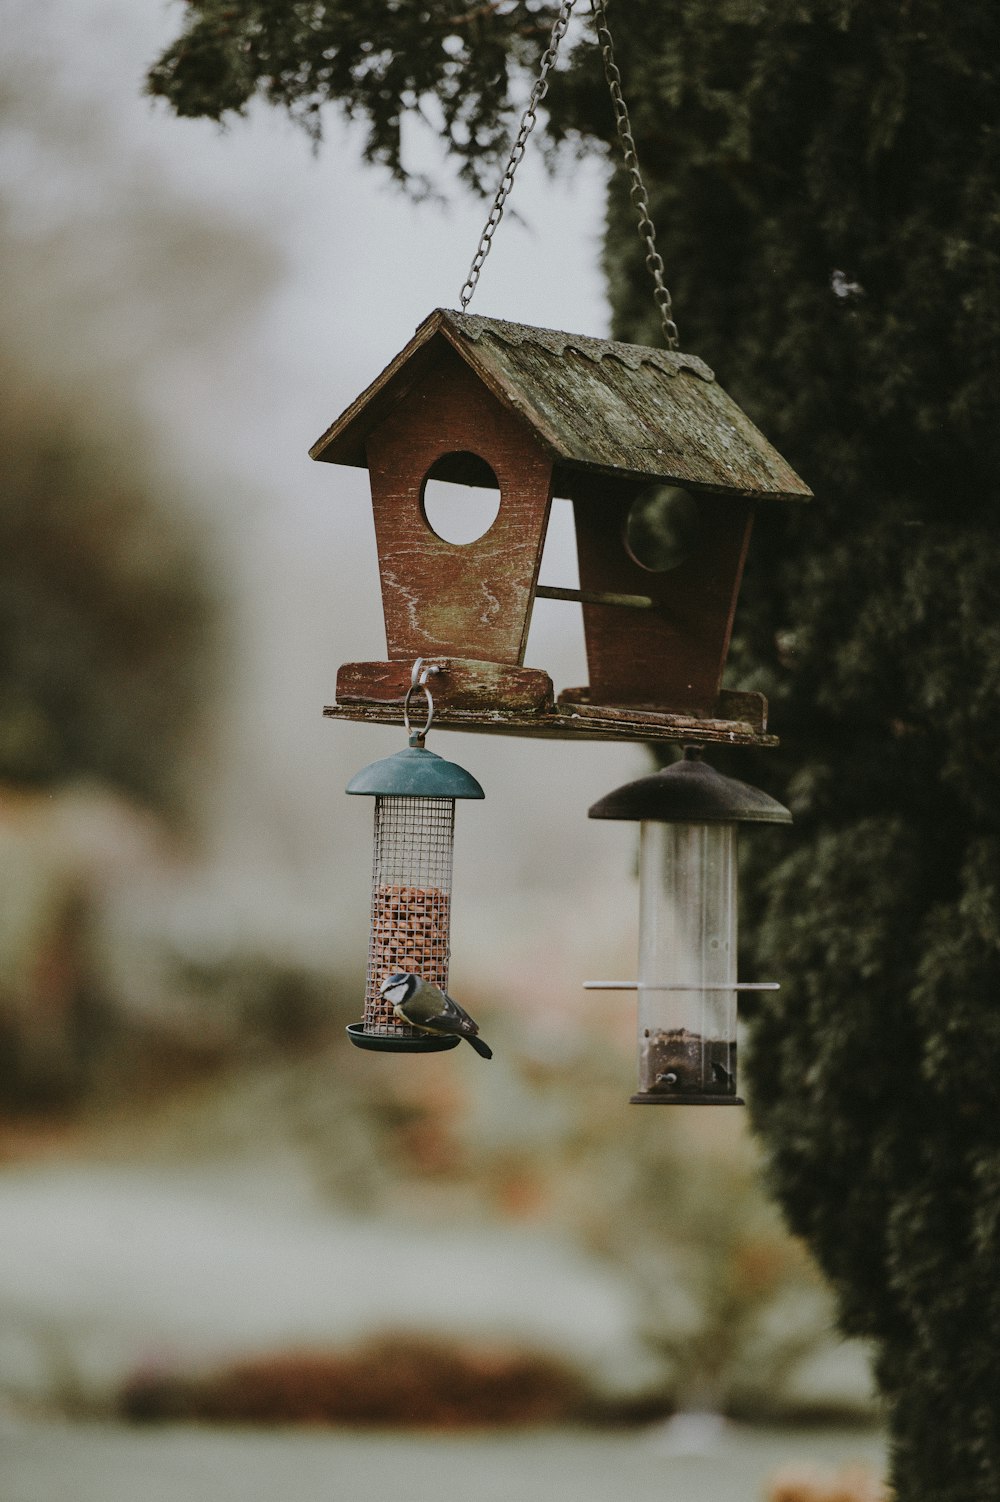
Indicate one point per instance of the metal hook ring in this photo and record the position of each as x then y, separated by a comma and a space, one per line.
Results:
418, 679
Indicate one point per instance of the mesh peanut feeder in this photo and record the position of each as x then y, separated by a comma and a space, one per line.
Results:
415, 793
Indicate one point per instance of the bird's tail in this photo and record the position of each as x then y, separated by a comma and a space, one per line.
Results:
482, 1049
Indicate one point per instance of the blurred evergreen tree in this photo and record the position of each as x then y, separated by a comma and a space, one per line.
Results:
104, 608
825, 180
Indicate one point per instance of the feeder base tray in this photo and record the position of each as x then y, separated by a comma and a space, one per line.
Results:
381, 1043
656, 1098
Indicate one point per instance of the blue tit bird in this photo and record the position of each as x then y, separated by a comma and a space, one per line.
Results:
425, 1006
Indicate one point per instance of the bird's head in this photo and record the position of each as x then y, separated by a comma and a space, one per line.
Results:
398, 989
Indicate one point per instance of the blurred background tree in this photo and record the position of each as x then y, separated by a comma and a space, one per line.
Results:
824, 177
111, 633
104, 608
104, 625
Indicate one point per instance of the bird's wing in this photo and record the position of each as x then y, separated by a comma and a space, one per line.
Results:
451, 1018
447, 1018
457, 1014
434, 1022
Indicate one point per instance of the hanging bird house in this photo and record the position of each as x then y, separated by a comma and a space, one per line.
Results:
415, 793
688, 818
664, 471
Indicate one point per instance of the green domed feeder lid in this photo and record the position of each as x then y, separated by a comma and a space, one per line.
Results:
415, 773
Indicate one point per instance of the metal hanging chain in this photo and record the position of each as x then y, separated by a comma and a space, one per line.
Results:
538, 93
637, 193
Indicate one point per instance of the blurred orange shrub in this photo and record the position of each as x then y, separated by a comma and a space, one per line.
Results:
399, 1380
853, 1483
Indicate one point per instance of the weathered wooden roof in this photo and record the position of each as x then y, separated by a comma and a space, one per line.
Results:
595, 404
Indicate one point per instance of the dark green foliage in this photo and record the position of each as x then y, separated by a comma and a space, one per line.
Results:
103, 610
377, 62
825, 179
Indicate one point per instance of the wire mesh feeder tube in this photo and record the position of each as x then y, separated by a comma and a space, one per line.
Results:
687, 962
415, 793
411, 901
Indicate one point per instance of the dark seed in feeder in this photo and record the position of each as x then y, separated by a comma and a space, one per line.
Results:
679, 1062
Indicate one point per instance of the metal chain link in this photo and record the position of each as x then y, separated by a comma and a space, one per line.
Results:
517, 150
637, 193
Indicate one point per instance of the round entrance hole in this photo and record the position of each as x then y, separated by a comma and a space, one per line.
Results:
460, 498
663, 528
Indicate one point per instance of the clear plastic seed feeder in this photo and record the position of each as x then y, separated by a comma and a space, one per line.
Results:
687, 984
415, 793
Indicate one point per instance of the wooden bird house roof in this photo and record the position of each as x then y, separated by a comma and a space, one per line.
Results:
594, 404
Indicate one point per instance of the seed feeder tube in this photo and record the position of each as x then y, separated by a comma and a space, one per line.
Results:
415, 793
687, 987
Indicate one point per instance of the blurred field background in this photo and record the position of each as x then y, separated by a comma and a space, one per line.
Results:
213, 1210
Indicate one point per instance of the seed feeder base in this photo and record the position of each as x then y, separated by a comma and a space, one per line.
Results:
658, 1098
403, 1043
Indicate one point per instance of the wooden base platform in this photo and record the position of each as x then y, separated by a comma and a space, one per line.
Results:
566, 724
508, 700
